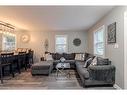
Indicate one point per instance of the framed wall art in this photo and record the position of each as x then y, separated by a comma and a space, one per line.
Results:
111, 33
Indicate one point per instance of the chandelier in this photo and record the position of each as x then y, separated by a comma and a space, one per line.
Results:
6, 28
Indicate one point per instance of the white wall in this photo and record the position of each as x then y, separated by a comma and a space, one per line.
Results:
38, 37
116, 55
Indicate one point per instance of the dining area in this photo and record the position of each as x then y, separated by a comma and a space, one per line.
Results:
14, 62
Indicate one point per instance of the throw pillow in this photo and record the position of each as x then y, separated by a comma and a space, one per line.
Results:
102, 61
62, 59
94, 62
48, 57
88, 62
56, 56
79, 56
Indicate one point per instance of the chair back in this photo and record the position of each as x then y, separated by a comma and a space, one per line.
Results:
21, 56
6, 58
31, 54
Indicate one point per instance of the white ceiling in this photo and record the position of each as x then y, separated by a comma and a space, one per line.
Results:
53, 17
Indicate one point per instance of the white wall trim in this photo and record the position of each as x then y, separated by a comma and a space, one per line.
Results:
125, 50
117, 87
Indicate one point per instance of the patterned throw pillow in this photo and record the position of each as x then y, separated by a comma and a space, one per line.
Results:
62, 59
79, 56
87, 63
102, 61
94, 62
48, 57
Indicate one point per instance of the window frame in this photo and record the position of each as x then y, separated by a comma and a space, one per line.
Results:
61, 44
94, 44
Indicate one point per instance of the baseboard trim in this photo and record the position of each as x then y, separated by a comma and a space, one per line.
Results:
117, 87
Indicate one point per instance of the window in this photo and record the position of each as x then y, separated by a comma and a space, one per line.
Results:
61, 43
8, 42
99, 41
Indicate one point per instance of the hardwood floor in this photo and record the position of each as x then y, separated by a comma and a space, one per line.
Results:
26, 81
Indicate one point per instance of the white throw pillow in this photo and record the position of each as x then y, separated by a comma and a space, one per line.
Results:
83, 57
48, 57
79, 57
62, 59
94, 62
87, 62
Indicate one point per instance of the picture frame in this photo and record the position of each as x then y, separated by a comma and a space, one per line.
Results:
111, 33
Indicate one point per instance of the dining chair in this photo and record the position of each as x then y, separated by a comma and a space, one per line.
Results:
22, 60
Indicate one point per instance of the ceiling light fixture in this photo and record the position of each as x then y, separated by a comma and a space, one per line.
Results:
6, 28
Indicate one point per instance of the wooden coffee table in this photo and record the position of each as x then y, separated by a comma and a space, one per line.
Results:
61, 67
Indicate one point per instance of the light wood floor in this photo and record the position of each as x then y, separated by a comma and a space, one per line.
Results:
26, 81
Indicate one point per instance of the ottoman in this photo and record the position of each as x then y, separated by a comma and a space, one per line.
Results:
42, 68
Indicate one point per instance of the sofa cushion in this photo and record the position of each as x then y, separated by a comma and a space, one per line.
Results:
70, 61
56, 61
82, 71
57, 56
102, 61
48, 57
42, 65
79, 56
94, 61
79, 63
87, 56
70, 56
88, 62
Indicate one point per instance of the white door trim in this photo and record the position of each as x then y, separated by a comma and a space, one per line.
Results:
125, 50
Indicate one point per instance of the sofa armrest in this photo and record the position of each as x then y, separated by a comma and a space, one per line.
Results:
101, 67
102, 73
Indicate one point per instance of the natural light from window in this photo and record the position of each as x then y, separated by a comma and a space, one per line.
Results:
8, 42
99, 41
61, 43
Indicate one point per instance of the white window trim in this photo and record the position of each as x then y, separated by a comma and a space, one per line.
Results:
102, 27
61, 44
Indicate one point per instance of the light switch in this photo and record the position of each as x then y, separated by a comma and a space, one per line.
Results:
116, 46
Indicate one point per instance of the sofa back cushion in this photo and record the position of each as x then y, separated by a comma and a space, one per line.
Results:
102, 61
70, 56
57, 56
87, 56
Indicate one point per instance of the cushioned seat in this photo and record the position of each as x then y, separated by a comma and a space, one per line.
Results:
70, 61
44, 67
81, 70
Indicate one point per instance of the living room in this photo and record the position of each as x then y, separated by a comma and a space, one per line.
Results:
66, 29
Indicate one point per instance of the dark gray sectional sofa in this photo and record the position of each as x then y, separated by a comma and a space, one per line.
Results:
70, 58
98, 75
